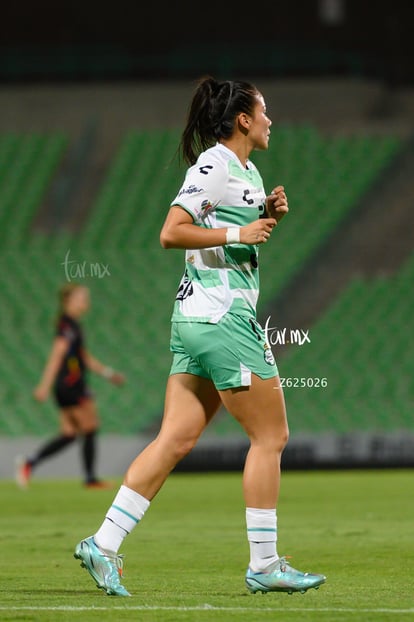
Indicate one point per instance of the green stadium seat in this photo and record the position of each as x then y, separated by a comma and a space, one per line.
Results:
129, 323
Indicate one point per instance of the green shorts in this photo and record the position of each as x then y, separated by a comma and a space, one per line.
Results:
228, 353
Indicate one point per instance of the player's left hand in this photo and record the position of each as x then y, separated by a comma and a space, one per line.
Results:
277, 203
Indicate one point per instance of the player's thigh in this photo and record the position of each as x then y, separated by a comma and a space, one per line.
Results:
190, 403
259, 408
85, 416
68, 425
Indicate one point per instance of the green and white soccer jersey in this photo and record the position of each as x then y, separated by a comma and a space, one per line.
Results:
219, 192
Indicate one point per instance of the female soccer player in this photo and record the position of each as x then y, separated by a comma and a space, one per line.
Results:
220, 216
66, 372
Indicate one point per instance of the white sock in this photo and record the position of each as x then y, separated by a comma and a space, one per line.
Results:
124, 514
262, 537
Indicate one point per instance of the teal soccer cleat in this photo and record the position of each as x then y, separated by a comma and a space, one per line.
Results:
103, 568
281, 577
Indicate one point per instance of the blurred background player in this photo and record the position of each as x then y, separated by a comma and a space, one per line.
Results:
65, 373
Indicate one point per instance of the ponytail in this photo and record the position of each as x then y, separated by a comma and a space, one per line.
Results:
212, 114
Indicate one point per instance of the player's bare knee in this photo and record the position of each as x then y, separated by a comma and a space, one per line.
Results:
284, 437
183, 447
272, 443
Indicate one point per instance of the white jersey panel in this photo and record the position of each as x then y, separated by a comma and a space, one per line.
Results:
219, 192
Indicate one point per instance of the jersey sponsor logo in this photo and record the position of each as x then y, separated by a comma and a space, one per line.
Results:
245, 199
74, 371
206, 205
204, 170
185, 289
253, 197
262, 211
192, 189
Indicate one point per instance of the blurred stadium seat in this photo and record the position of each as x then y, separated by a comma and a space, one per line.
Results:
128, 325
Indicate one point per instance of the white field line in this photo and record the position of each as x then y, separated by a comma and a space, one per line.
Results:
207, 607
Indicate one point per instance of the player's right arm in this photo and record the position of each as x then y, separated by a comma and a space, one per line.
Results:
203, 187
179, 231
57, 353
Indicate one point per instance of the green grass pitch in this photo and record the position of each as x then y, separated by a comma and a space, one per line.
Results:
186, 560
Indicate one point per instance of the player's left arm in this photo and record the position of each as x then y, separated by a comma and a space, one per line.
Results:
94, 365
277, 204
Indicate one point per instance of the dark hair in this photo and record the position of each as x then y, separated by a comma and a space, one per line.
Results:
212, 114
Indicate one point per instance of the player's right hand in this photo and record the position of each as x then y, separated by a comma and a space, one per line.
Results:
117, 378
40, 393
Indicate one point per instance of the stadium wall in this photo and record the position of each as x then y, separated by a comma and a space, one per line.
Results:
303, 452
